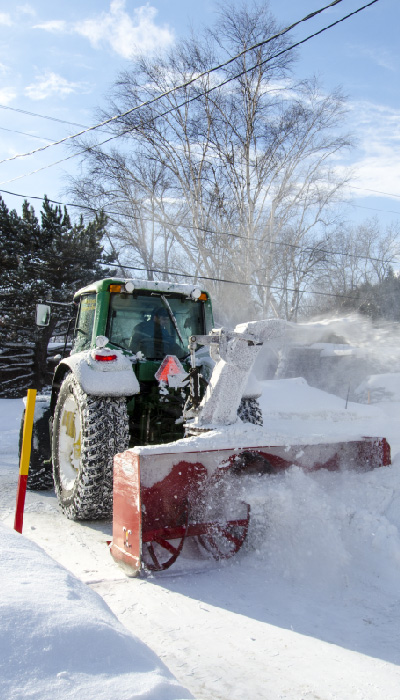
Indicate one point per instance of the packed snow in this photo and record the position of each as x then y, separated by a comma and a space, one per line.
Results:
308, 609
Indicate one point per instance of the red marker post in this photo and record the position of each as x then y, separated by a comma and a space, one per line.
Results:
24, 461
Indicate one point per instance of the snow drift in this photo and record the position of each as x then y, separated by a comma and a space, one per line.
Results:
58, 639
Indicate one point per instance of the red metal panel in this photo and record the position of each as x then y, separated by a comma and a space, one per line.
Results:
163, 501
126, 542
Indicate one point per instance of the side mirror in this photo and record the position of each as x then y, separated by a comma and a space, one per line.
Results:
55, 359
42, 315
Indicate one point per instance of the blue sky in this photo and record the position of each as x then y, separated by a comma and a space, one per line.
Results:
59, 59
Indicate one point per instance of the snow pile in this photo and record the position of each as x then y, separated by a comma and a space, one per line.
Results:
294, 397
58, 639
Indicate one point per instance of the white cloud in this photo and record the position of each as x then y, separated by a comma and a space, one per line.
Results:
5, 19
127, 34
377, 155
53, 26
51, 84
26, 9
381, 56
7, 95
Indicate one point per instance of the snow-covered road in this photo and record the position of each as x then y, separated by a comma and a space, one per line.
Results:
310, 608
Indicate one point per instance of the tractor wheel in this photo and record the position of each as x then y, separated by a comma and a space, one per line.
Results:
224, 517
249, 411
40, 476
161, 548
87, 432
223, 540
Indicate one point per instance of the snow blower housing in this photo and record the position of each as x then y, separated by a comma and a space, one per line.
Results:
195, 489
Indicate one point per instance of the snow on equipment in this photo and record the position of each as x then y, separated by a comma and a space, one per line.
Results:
191, 488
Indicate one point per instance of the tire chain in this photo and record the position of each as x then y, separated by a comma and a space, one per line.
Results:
104, 432
249, 411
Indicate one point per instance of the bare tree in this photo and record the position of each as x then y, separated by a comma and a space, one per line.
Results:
222, 174
355, 257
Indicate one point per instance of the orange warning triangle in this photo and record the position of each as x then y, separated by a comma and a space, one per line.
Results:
169, 366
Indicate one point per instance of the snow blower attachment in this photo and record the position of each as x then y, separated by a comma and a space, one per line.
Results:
191, 489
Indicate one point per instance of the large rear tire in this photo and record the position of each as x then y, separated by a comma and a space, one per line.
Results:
40, 476
87, 432
249, 411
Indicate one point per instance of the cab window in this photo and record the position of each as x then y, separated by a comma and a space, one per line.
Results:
84, 323
142, 322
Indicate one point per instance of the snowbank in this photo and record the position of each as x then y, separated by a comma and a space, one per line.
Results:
58, 639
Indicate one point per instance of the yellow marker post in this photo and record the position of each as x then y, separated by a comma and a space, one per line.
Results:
24, 461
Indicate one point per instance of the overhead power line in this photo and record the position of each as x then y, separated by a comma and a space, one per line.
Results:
219, 279
193, 80
366, 189
304, 249
23, 133
121, 266
57, 162
381, 211
43, 116
187, 101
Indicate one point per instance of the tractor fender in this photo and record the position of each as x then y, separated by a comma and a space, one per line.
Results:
97, 378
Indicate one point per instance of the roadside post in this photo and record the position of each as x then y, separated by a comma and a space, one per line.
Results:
24, 461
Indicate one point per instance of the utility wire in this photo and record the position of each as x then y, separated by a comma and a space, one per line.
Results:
191, 81
185, 102
57, 162
303, 249
218, 279
23, 133
43, 116
366, 189
121, 266
360, 206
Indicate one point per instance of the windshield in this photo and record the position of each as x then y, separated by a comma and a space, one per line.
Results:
142, 322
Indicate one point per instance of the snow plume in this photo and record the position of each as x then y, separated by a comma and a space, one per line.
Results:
380, 343
313, 529
336, 354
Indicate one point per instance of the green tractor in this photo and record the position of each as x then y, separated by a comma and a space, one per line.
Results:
124, 383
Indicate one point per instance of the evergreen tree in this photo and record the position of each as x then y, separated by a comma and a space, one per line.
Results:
46, 261
377, 301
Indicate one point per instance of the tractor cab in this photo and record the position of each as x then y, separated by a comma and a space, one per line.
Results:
148, 322
149, 318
